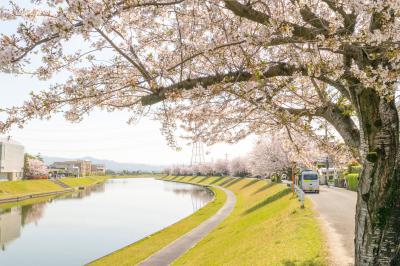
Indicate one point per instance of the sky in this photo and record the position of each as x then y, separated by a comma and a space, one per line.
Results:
101, 135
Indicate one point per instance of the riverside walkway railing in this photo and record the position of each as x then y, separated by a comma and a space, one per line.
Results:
300, 194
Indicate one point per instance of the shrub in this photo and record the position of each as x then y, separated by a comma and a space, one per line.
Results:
354, 167
352, 181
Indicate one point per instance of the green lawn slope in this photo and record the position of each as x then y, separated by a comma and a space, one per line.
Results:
10, 189
267, 227
83, 181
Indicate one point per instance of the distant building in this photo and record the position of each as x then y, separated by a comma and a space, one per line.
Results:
11, 160
76, 168
65, 168
85, 167
327, 175
98, 169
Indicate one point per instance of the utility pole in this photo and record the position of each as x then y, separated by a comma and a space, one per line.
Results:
293, 169
327, 156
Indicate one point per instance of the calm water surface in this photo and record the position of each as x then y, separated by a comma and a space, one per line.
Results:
79, 228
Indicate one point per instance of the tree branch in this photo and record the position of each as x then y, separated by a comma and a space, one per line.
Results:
280, 69
246, 11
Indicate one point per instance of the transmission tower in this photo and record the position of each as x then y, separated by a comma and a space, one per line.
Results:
197, 153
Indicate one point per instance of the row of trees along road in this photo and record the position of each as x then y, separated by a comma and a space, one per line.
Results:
271, 155
229, 68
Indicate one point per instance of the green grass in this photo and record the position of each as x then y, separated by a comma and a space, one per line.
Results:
83, 181
9, 189
142, 249
267, 227
27, 202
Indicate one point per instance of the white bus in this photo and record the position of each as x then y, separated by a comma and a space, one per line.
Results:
309, 181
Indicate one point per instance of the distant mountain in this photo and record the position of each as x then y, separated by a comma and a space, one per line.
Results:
111, 165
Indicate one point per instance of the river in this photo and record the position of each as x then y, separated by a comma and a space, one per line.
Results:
77, 228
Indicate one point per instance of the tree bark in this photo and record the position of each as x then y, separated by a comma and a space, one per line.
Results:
378, 205
345, 126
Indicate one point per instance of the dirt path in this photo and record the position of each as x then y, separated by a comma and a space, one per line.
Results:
336, 208
171, 252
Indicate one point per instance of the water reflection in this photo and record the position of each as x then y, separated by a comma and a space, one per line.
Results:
14, 218
10, 225
199, 197
123, 211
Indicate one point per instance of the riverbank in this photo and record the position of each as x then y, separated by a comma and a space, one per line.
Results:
83, 181
266, 227
14, 191
138, 251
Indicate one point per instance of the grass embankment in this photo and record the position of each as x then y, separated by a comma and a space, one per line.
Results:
12, 189
267, 227
132, 254
83, 181
26, 202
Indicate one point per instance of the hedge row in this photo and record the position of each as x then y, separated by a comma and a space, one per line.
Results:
352, 181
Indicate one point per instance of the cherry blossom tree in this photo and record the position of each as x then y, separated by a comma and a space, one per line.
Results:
175, 170
238, 167
221, 167
268, 157
206, 169
232, 68
36, 169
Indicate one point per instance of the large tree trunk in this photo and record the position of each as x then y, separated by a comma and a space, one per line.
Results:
378, 205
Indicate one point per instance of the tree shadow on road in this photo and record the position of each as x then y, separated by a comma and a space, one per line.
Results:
268, 200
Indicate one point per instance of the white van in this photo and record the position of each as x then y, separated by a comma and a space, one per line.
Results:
309, 181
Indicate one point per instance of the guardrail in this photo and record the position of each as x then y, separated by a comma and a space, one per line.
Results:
300, 195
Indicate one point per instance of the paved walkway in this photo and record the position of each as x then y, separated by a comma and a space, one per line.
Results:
171, 252
336, 208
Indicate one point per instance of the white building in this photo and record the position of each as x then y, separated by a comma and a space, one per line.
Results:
11, 160
327, 175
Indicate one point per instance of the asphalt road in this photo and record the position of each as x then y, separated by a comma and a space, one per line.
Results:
336, 208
